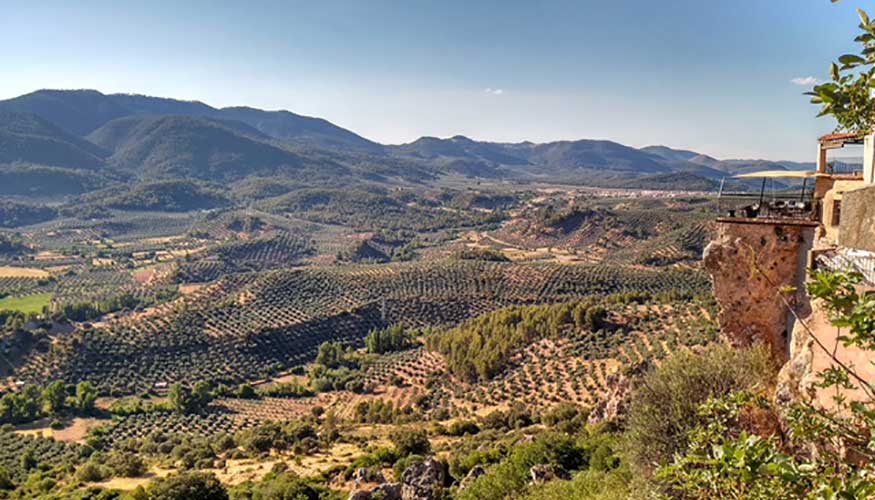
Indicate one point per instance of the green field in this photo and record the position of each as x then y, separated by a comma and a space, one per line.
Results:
26, 304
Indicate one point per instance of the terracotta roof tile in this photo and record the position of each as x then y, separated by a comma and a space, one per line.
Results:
842, 136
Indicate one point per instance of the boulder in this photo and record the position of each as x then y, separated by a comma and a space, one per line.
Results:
615, 403
422, 480
386, 491
547, 472
367, 475
474, 473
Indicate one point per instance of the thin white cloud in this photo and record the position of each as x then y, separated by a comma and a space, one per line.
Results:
805, 81
493, 91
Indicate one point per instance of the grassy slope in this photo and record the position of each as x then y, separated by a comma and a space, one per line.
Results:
26, 304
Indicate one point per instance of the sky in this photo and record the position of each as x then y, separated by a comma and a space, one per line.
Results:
722, 77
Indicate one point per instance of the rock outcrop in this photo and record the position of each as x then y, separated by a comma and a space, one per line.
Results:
615, 403
474, 473
423, 480
367, 475
797, 381
546, 472
752, 263
387, 491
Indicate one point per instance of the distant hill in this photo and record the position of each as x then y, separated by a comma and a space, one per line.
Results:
81, 112
681, 155
166, 196
535, 158
725, 168
76, 111
289, 127
675, 181
14, 214
602, 155
461, 147
137, 137
42, 181
195, 147
25, 137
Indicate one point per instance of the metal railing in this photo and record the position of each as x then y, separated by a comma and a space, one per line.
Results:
844, 168
787, 203
849, 260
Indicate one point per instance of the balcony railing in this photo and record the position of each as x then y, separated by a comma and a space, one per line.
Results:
752, 206
839, 167
848, 260
786, 203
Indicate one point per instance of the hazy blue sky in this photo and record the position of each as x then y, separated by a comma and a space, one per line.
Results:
710, 75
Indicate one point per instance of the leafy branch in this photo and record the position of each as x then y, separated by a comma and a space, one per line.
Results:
848, 96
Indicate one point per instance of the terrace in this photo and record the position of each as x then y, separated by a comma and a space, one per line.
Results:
788, 196
775, 201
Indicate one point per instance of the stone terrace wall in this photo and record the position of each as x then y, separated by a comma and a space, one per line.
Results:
857, 227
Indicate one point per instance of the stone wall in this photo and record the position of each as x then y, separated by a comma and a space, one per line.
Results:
751, 262
857, 228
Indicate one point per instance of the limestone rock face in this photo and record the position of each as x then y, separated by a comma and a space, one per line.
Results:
798, 378
421, 480
474, 473
751, 263
360, 495
387, 491
616, 401
366, 475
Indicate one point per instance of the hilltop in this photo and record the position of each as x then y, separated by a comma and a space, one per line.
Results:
136, 137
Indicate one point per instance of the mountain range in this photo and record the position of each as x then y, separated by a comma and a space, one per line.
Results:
137, 137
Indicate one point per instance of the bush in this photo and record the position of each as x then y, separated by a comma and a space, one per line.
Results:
126, 464
462, 427
517, 417
587, 485
188, 486
410, 442
277, 485
566, 417
510, 477
664, 407
92, 472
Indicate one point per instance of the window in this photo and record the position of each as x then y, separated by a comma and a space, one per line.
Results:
836, 212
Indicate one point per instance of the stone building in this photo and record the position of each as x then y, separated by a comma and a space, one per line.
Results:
764, 249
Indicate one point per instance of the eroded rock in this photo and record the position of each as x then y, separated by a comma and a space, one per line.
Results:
615, 403
386, 491
752, 264
547, 472
474, 473
422, 481
367, 475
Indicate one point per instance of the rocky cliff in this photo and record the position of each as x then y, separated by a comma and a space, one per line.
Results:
752, 264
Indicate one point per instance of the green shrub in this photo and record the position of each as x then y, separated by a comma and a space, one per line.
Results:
462, 427
188, 486
403, 463
510, 477
566, 417
410, 442
665, 405
92, 471
587, 485
126, 464
394, 338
